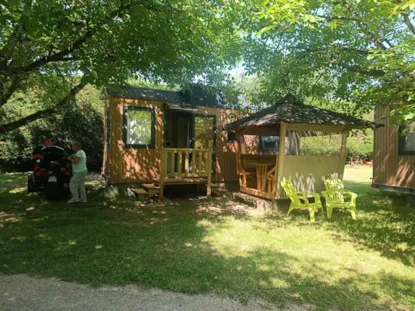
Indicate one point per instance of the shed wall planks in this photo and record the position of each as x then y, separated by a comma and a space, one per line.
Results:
390, 168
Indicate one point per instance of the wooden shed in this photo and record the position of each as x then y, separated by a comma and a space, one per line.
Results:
394, 154
158, 137
298, 131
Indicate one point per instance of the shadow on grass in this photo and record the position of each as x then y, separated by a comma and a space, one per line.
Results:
385, 224
187, 246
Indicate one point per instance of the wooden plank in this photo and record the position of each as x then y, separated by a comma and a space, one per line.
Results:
179, 163
209, 169
193, 171
188, 180
283, 134
184, 149
200, 162
343, 152
172, 163
186, 163
140, 191
274, 181
163, 169
256, 192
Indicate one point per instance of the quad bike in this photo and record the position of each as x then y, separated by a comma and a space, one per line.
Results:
51, 174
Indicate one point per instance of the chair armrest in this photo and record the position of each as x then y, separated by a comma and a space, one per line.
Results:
324, 194
352, 194
309, 194
304, 198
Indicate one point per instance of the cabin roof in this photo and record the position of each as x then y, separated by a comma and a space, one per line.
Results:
290, 110
194, 96
147, 93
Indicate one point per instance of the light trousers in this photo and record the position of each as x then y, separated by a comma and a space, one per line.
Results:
77, 186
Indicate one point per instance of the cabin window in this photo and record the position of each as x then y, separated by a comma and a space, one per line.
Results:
231, 137
269, 143
138, 127
407, 139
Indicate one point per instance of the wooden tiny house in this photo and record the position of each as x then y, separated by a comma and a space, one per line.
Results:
167, 137
394, 155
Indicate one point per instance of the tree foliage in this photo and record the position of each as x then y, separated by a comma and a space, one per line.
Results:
80, 120
53, 48
348, 51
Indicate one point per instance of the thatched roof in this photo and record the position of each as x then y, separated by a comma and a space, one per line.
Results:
290, 110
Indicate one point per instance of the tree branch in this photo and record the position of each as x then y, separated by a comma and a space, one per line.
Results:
42, 113
340, 48
332, 18
19, 73
408, 22
371, 73
364, 28
78, 43
4, 96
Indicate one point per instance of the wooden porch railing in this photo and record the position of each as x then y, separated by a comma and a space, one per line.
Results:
186, 164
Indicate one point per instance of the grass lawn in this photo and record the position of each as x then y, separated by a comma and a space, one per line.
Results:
219, 246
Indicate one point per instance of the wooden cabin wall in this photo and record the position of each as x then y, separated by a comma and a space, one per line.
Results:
390, 168
129, 165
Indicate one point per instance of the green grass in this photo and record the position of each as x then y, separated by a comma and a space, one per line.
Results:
219, 246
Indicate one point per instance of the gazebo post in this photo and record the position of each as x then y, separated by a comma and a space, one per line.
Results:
343, 151
280, 168
238, 155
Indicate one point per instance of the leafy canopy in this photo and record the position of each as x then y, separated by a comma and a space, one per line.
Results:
55, 47
344, 50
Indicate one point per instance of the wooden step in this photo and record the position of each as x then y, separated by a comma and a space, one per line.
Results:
253, 201
139, 191
141, 194
219, 190
152, 189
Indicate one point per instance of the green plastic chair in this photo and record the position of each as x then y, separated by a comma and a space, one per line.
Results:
335, 197
299, 200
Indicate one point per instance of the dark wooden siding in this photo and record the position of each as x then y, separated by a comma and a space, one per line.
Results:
390, 168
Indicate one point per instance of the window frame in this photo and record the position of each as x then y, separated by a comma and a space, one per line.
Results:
401, 143
124, 128
273, 150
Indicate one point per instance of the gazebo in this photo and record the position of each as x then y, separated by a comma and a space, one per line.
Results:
299, 142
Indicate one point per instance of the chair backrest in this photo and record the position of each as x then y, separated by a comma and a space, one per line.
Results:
335, 188
289, 189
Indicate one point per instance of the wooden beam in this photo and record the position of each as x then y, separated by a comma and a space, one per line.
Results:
280, 167
343, 152
209, 168
162, 172
238, 160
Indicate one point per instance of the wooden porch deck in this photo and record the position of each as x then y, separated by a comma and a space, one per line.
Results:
181, 166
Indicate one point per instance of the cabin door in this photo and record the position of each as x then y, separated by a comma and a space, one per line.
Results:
203, 133
178, 131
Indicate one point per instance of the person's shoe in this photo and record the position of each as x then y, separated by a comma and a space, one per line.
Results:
73, 201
